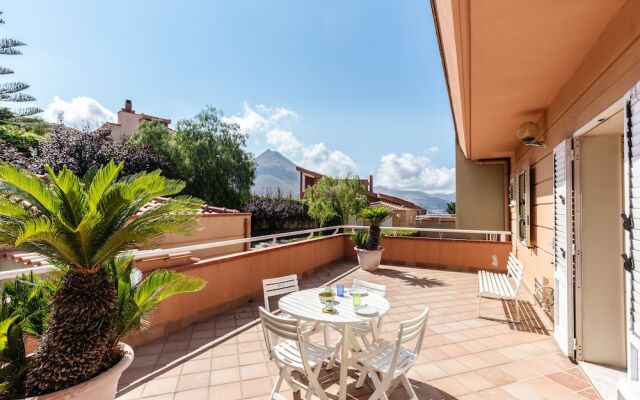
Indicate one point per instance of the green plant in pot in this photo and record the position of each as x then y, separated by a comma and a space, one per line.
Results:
24, 312
81, 225
368, 247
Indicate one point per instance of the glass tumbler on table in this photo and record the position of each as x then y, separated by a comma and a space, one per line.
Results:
340, 289
357, 299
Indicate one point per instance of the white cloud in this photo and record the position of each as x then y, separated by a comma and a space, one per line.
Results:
79, 112
273, 123
411, 172
260, 119
434, 149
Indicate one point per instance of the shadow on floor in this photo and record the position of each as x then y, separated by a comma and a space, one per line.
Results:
409, 278
530, 321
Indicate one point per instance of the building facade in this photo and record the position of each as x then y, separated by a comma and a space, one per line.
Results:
548, 92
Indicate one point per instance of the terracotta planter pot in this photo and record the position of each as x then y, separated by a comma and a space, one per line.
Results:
369, 260
101, 387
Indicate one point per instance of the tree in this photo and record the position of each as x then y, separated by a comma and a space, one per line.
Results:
335, 197
80, 151
451, 208
80, 225
374, 216
208, 154
11, 91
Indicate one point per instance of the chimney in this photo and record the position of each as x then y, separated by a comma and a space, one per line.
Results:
128, 107
371, 183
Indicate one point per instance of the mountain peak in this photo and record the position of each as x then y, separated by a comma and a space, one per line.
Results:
275, 173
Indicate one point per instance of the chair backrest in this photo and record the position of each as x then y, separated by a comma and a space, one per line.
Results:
515, 270
412, 329
276, 329
380, 290
278, 286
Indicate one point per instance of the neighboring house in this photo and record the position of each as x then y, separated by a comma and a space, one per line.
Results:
545, 97
404, 212
215, 225
128, 121
309, 178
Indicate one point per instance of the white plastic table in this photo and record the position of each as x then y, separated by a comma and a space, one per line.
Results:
305, 305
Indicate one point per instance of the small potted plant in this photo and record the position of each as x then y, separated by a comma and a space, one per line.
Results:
368, 247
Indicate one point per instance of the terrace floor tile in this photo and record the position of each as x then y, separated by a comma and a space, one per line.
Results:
462, 357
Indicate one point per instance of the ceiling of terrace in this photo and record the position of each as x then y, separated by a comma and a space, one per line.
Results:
513, 57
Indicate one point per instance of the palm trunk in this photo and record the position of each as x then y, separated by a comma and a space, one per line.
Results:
78, 344
373, 239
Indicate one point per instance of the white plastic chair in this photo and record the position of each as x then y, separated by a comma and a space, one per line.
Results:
290, 352
279, 286
386, 360
361, 329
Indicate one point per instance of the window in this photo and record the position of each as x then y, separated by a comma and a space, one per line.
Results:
523, 204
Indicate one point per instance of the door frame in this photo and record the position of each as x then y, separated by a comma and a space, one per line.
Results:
577, 225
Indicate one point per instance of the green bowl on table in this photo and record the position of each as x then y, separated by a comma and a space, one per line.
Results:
324, 296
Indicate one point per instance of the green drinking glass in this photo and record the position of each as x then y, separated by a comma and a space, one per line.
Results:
357, 298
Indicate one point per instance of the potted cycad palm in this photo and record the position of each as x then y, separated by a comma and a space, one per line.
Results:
83, 225
367, 246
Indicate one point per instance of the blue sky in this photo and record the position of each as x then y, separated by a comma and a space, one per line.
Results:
339, 86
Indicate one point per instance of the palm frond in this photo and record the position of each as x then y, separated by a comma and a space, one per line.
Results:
17, 182
45, 232
69, 189
101, 180
375, 215
14, 210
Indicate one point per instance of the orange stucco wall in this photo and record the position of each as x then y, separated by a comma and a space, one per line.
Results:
609, 70
235, 279
449, 253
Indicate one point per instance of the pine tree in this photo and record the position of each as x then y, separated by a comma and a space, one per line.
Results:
12, 91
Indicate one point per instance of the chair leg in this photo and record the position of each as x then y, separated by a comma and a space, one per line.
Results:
479, 299
517, 310
366, 342
276, 387
334, 356
363, 376
407, 386
326, 335
314, 385
287, 378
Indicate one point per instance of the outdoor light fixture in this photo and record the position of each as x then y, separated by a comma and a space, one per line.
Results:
528, 132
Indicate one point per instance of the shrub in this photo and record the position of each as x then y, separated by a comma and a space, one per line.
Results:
10, 154
22, 139
276, 213
80, 150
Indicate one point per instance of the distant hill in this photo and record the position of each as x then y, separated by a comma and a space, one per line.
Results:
435, 204
274, 172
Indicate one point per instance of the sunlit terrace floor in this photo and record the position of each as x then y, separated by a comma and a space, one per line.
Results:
463, 357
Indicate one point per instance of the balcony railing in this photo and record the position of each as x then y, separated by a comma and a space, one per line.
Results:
273, 240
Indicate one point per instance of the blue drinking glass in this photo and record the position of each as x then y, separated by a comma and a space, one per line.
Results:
340, 289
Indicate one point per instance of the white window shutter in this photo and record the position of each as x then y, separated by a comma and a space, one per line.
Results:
563, 246
632, 223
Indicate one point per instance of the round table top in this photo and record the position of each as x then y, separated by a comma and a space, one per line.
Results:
306, 305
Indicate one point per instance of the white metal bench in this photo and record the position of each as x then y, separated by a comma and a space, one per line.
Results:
492, 285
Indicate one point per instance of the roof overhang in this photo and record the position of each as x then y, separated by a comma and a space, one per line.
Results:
505, 61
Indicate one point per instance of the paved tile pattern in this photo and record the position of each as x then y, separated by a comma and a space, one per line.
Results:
463, 357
